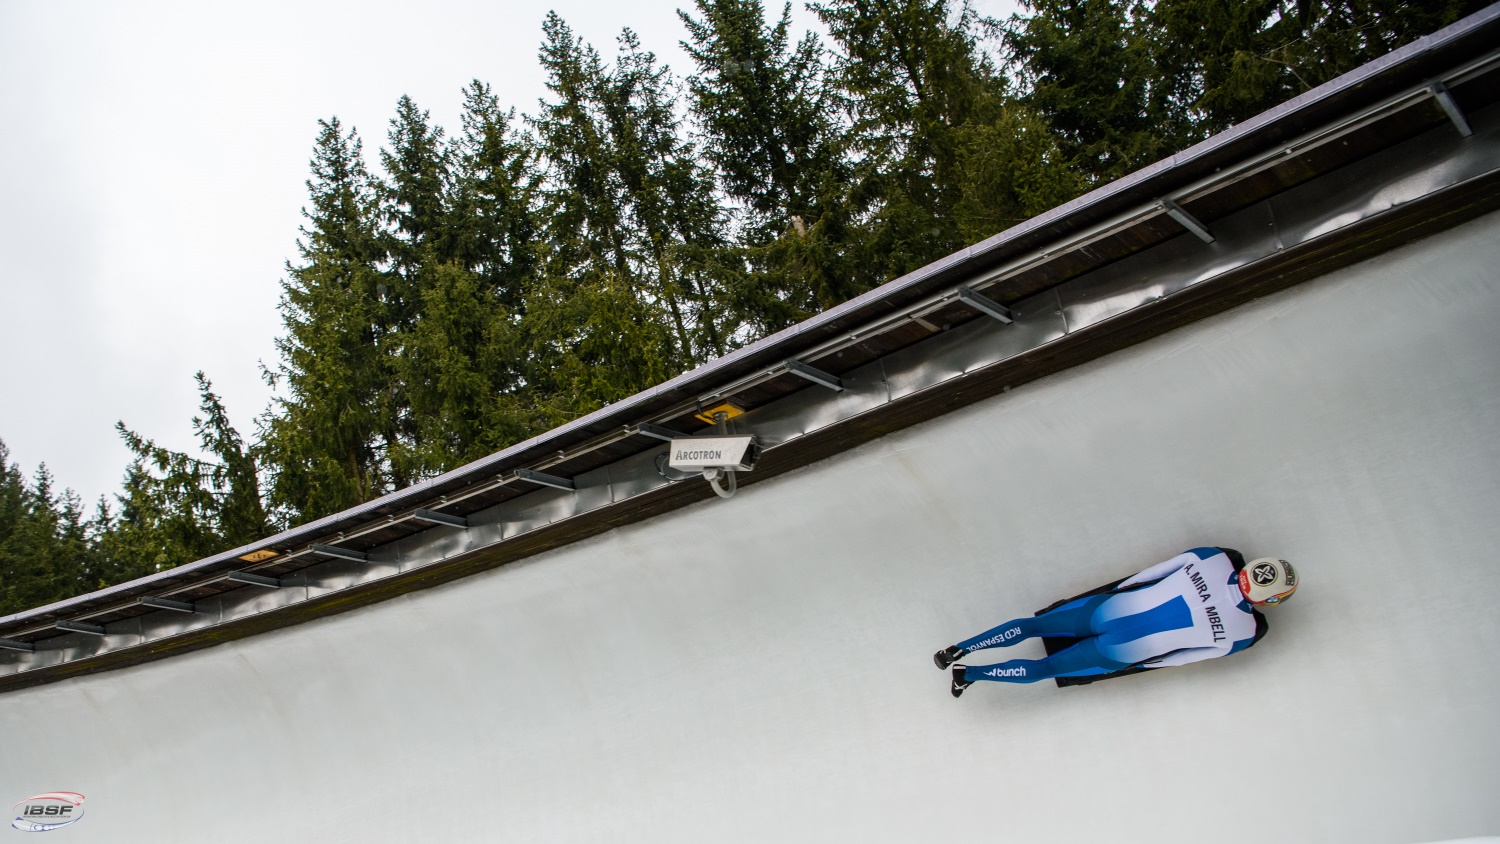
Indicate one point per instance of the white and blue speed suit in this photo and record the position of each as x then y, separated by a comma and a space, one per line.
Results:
1186, 609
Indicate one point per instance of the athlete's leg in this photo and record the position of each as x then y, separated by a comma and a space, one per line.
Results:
1138, 631
1071, 620
1080, 660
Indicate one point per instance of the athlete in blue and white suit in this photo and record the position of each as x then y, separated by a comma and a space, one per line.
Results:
1192, 607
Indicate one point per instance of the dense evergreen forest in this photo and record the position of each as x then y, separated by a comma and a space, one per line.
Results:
476, 285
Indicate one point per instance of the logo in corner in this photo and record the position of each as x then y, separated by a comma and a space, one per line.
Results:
53, 810
1264, 574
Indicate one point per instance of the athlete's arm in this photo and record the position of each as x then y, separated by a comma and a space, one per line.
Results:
1160, 570
1184, 656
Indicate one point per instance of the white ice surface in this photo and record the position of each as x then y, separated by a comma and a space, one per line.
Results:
759, 669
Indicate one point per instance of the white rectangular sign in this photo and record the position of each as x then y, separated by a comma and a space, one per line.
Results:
737, 453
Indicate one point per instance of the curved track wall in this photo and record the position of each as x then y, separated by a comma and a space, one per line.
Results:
758, 669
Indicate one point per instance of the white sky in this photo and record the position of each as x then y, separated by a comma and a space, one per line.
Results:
152, 161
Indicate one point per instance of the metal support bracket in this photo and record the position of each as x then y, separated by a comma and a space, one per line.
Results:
1455, 114
655, 432
249, 579
79, 627
545, 479
1188, 221
165, 604
341, 553
13, 645
985, 305
432, 518
815, 375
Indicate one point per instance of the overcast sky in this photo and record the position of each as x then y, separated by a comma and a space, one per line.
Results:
152, 162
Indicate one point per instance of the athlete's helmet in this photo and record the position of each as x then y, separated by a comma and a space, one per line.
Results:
1268, 580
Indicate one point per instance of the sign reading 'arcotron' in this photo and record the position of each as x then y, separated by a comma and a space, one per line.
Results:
737, 453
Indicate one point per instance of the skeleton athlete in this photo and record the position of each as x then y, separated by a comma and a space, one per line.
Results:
1198, 605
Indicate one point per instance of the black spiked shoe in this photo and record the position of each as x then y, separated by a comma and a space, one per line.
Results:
947, 656
959, 683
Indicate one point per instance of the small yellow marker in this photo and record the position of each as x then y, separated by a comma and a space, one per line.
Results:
258, 556
729, 409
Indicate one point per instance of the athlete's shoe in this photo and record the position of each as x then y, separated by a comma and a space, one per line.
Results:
947, 656
959, 683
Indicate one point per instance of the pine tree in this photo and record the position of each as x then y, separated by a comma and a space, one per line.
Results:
628, 296
463, 362
1227, 62
414, 193
177, 508
946, 156
325, 440
1089, 64
593, 336
462, 365
493, 221
44, 548
674, 216
420, 243
766, 115
1124, 84
770, 129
